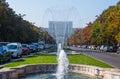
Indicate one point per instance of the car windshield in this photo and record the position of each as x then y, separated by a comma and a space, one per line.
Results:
35, 44
40, 45
24, 46
12, 46
31, 46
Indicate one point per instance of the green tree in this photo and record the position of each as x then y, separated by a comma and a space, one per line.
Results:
13, 28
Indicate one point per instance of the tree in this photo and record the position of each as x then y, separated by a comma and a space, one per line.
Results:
14, 28
107, 26
86, 39
75, 38
118, 37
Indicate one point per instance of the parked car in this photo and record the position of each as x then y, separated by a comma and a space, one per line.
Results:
78, 46
89, 47
93, 47
46, 46
25, 49
118, 50
36, 46
3, 43
41, 46
32, 48
114, 49
15, 49
5, 55
102, 47
42, 43
84, 46
105, 48
97, 47
108, 48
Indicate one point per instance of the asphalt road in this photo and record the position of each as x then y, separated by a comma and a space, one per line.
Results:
107, 57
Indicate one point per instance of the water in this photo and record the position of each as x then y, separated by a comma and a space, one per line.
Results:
59, 36
51, 76
62, 70
59, 49
63, 63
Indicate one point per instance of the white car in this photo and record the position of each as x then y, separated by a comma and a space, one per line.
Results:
105, 49
15, 49
108, 49
102, 47
118, 50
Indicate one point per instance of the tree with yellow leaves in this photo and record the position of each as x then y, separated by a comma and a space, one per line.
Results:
117, 37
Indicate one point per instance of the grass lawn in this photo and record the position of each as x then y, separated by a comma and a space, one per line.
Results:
73, 59
67, 48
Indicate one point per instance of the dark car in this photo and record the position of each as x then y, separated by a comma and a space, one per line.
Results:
4, 54
32, 48
118, 50
36, 46
25, 49
3, 43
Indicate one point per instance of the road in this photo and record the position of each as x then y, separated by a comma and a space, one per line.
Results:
107, 57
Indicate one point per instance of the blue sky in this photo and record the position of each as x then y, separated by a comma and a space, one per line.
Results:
35, 9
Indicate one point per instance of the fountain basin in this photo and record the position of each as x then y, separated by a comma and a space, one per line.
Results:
52, 76
17, 72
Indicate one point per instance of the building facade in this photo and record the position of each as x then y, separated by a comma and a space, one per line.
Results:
60, 30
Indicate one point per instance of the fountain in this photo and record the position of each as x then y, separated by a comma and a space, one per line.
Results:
58, 49
59, 25
62, 71
63, 64
61, 20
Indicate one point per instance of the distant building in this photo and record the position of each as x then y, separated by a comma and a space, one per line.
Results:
60, 30
44, 29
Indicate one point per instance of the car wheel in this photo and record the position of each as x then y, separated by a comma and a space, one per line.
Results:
17, 56
9, 59
0, 61
20, 55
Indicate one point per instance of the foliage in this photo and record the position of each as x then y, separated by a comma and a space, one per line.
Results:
75, 38
13, 28
86, 39
118, 37
108, 25
48, 38
103, 31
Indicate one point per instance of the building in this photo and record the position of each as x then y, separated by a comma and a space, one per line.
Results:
60, 30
